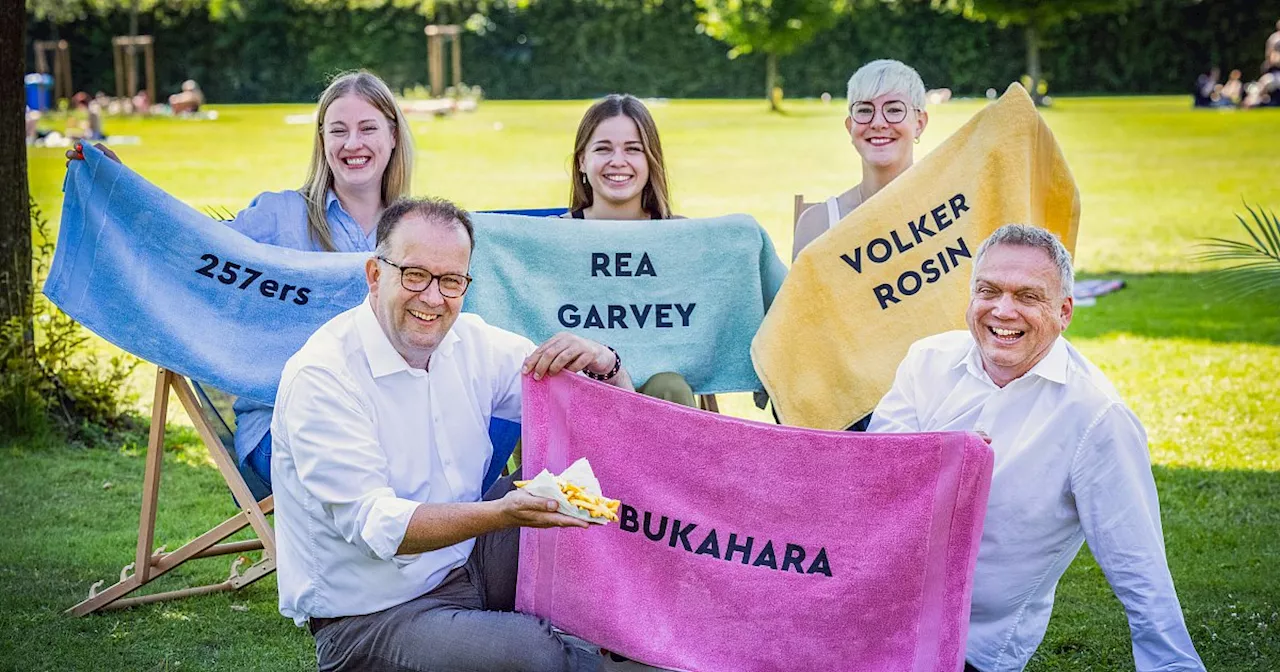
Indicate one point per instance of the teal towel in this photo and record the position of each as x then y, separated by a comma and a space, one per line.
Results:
682, 295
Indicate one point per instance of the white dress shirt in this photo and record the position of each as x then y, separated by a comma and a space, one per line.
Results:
1071, 464
361, 438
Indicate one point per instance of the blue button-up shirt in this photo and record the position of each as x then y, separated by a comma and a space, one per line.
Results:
280, 218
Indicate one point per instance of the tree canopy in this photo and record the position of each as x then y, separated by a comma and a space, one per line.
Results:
1036, 18
772, 27
1042, 14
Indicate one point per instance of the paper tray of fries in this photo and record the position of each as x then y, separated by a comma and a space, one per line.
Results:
577, 490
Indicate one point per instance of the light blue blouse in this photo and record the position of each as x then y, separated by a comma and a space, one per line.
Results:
280, 218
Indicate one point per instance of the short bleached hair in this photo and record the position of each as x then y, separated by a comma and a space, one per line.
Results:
883, 76
1026, 235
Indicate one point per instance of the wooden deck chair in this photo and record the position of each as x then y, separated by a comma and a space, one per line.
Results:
706, 402
800, 205
149, 564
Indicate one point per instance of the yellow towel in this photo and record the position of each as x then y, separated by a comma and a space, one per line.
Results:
897, 269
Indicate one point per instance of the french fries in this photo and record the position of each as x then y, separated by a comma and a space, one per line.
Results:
598, 506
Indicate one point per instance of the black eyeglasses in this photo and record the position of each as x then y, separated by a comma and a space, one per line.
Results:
894, 111
414, 279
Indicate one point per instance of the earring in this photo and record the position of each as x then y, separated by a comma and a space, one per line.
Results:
584, 177
917, 139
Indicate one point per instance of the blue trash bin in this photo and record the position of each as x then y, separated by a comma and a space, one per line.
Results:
38, 87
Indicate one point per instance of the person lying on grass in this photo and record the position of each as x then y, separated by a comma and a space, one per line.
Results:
1071, 458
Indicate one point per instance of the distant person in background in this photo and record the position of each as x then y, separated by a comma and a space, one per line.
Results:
1205, 84
886, 117
189, 100
1233, 90
1262, 93
361, 161
142, 103
619, 174
33, 126
92, 126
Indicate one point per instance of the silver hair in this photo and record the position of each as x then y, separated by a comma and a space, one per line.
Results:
1030, 236
886, 76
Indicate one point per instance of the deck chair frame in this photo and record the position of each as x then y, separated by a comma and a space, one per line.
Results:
799, 206
148, 564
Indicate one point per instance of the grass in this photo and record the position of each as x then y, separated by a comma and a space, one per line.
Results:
1198, 366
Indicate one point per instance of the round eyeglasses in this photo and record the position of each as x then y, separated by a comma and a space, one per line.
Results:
414, 279
894, 111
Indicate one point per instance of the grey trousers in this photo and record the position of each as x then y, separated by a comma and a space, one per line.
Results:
465, 624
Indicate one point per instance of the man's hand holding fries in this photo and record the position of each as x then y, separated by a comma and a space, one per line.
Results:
598, 506
525, 510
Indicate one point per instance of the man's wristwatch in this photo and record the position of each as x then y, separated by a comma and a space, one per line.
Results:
617, 364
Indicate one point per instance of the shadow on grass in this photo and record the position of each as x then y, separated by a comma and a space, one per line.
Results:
1179, 305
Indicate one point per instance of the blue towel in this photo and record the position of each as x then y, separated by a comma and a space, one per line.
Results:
682, 295
170, 285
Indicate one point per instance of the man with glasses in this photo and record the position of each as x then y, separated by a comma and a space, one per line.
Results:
386, 549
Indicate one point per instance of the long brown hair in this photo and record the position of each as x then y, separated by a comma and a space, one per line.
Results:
399, 172
655, 198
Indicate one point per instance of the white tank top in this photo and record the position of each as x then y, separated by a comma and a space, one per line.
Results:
833, 211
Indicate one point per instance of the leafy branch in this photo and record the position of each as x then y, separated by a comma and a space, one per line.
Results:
1255, 265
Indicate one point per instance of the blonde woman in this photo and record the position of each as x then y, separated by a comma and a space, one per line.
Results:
361, 161
886, 118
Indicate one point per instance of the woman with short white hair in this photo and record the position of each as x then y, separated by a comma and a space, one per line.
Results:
886, 117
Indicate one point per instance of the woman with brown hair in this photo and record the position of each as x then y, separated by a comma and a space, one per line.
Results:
618, 169
619, 175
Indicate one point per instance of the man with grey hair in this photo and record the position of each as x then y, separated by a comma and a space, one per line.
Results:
1071, 460
386, 549
886, 118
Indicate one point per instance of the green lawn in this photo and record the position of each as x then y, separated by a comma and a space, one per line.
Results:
1198, 366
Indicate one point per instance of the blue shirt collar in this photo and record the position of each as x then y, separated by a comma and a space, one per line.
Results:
343, 220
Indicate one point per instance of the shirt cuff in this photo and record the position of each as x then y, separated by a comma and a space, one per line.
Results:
385, 527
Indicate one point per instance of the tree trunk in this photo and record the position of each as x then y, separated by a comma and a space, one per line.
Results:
131, 77
15, 213
770, 79
1033, 61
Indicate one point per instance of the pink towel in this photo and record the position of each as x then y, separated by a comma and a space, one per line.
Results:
747, 546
